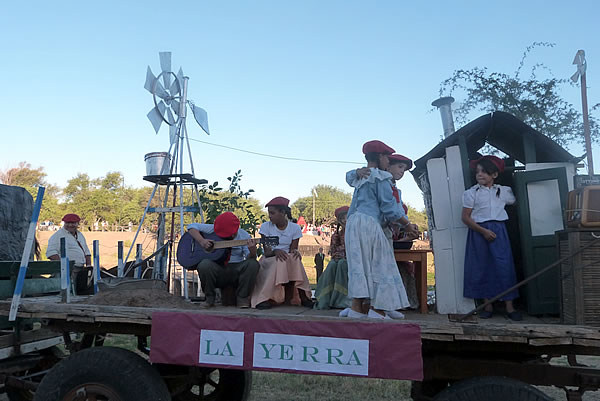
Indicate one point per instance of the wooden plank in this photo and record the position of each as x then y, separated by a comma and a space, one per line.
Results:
584, 342
442, 236
550, 341
437, 337
491, 338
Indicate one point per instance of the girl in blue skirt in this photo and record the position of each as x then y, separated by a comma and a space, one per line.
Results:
489, 266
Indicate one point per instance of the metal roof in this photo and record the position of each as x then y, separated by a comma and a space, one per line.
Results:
503, 131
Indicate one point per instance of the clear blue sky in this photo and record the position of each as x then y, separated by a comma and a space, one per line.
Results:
311, 79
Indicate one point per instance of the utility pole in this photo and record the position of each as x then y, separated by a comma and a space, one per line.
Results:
314, 197
581, 73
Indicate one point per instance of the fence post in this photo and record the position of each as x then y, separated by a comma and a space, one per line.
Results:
16, 299
138, 261
120, 266
96, 272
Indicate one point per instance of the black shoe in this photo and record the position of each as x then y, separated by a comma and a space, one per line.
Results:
307, 303
484, 314
209, 301
515, 316
264, 305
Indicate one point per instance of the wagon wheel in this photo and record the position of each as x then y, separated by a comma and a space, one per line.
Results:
491, 388
102, 374
209, 384
52, 356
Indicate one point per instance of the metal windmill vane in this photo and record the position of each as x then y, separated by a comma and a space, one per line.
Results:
169, 92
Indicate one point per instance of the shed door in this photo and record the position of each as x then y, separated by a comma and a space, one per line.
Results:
541, 201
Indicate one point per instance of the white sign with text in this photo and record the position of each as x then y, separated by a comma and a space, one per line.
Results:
222, 347
311, 353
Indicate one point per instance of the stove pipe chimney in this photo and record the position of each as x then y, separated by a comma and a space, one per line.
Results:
444, 104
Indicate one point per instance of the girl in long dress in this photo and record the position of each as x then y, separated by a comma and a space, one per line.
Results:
281, 277
332, 288
489, 265
374, 283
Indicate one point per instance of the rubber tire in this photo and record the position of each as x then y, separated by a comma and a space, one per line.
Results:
492, 388
126, 373
233, 385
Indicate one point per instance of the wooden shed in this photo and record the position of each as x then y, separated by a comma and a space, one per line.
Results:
540, 172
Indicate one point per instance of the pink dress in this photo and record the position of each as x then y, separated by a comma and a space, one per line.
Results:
274, 274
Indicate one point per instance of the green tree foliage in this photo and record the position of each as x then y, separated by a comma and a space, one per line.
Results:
327, 200
216, 201
417, 217
23, 175
535, 100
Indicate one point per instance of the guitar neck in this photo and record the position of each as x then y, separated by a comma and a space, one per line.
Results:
231, 243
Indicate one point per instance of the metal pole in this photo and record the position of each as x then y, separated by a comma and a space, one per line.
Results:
313, 207
182, 114
586, 125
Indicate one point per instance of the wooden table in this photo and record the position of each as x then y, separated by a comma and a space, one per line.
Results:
419, 259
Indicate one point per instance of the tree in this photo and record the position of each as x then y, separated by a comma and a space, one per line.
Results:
417, 217
30, 178
328, 199
216, 201
534, 100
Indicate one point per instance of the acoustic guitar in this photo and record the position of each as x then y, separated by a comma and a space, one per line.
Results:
190, 252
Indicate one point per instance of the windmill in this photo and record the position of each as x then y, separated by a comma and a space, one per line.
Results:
169, 94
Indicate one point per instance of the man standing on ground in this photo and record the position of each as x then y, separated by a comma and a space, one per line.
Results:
319, 262
241, 269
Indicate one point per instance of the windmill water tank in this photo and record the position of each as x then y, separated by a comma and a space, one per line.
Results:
157, 163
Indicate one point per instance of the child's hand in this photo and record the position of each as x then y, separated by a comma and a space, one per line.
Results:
363, 172
489, 235
280, 254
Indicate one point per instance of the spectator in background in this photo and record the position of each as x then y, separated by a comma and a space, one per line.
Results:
319, 262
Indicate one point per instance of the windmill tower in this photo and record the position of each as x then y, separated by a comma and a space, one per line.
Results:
169, 94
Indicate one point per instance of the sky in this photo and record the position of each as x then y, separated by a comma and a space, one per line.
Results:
304, 79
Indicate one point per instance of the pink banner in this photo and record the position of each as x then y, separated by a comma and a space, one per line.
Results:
371, 349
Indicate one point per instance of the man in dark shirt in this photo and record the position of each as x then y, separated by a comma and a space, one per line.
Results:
319, 262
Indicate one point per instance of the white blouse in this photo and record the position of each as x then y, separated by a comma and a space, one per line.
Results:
292, 231
488, 203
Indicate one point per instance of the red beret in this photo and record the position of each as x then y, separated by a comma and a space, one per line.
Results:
396, 159
498, 162
377, 147
340, 210
71, 218
278, 201
226, 225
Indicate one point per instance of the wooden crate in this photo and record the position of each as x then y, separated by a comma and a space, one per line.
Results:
580, 284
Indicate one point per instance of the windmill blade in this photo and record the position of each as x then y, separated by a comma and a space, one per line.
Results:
180, 75
160, 91
170, 118
175, 87
165, 61
155, 119
172, 127
175, 105
165, 66
150, 78
201, 117
180, 79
